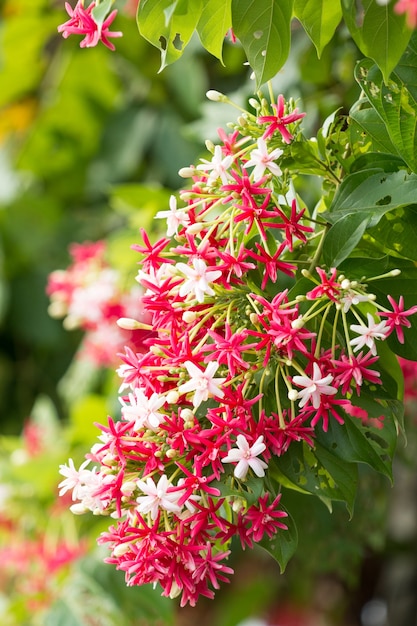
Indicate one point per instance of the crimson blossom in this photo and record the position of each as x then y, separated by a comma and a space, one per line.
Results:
251, 358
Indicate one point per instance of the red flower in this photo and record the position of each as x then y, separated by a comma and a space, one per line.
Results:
82, 22
279, 121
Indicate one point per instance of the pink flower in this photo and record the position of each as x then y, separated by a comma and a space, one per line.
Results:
328, 286
410, 8
246, 457
82, 22
279, 121
398, 317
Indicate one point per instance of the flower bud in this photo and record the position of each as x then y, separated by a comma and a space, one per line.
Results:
215, 96
292, 395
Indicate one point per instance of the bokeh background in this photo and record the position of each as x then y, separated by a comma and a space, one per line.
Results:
91, 142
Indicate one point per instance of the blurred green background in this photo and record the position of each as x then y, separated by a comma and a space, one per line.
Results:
90, 147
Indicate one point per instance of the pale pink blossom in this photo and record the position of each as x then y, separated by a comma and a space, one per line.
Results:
218, 166
263, 160
144, 410
157, 497
175, 217
74, 478
246, 457
314, 387
198, 279
202, 382
368, 334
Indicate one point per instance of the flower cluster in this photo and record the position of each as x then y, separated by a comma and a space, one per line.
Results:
88, 295
83, 22
254, 347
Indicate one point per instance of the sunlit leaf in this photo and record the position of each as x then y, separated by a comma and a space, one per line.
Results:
215, 20
319, 18
264, 31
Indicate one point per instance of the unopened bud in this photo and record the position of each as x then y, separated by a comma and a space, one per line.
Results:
187, 172
128, 488
254, 318
128, 323
254, 103
238, 505
297, 323
173, 397
189, 317
171, 454
209, 145
215, 96
345, 284
242, 121
194, 229
187, 415
292, 395
121, 549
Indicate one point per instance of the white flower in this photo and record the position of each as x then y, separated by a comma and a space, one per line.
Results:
175, 217
74, 479
218, 166
144, 410
351, 297
197, 280
246, 456
314, 387
157, 496
262, 160
368, 334
202, 382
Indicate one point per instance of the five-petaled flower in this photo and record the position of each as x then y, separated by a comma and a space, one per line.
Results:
279, 121
246, 457
314, 387
202, 382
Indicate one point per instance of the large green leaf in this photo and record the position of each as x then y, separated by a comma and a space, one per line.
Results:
168, 25
366, 123
314, 471
373, 193
215, 21
378, 31
395, 103
343, 237
358, 443
397, 232
264, 31
283, 545
319, 18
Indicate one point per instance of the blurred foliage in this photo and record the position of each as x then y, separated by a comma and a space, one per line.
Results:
87, 137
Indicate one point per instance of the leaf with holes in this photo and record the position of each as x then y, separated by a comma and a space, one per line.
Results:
264, 31
373, 192
169, 25
378, 31
214, 22
396, 105
319, 18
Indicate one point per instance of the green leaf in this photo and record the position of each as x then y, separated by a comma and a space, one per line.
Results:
283, 545
343, 237
313, 471
378, 31
319, 18
214, 22
396, 104
101, 11
169, 25
397, 232
356, 443
373, 192
265, 34
371, 129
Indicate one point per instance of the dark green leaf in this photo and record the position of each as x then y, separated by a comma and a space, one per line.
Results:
373, 192
356, 443
265, 34
319, 18
343, 237
283, 545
